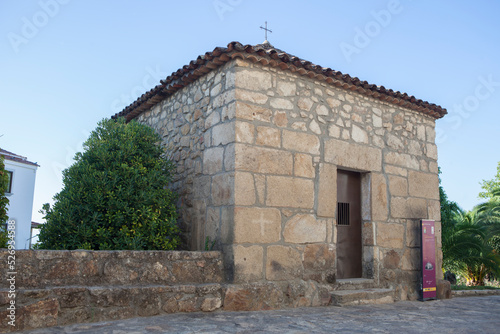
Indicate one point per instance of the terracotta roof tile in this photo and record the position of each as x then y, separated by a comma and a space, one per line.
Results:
267, 55
17, 158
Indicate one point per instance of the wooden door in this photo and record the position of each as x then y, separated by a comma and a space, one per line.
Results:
348, 224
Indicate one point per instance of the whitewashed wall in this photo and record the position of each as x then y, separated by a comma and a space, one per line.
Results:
21, 200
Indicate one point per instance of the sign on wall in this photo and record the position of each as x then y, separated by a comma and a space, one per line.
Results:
428, 252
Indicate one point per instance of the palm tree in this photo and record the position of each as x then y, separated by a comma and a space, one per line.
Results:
490, 211
470, 242
489, 216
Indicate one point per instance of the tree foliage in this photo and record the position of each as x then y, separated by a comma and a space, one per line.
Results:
4, 202
490, 186
471, 239
114, 196
468, 248
489, 213
4, 183
448, 208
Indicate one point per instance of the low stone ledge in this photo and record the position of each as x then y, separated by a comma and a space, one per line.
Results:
474, 293
38, 308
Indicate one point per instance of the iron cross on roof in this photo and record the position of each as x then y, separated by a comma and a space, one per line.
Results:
266, 30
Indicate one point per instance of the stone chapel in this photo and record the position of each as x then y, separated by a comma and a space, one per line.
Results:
297, 172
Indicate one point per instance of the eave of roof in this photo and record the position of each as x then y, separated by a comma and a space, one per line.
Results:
17, 158
270, 56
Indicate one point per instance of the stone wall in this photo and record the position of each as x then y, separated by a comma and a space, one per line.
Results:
257, 151
49, 268
198, 133
62, 287
292, 133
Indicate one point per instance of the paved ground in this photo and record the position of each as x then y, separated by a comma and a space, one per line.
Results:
457, 315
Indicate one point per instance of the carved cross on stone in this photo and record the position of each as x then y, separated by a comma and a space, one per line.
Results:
262, 222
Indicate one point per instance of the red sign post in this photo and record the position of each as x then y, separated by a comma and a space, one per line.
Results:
428, 251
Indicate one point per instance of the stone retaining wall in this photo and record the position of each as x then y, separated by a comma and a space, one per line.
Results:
64, 287
48, 268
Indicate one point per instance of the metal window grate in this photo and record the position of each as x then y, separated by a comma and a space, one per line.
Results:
343, 214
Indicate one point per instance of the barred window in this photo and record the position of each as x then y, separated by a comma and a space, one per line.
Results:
343, 214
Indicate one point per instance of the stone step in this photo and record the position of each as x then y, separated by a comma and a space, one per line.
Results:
354, 284
362, 296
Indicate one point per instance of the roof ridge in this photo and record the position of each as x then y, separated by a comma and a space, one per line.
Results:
267, 54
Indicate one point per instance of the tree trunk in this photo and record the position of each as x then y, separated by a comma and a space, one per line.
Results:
476, 276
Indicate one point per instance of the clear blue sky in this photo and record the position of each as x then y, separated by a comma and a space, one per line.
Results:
65, 65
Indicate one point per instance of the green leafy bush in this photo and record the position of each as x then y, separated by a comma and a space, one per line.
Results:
114, 196
4, 201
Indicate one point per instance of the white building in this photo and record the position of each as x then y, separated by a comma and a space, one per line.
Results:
20, 193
